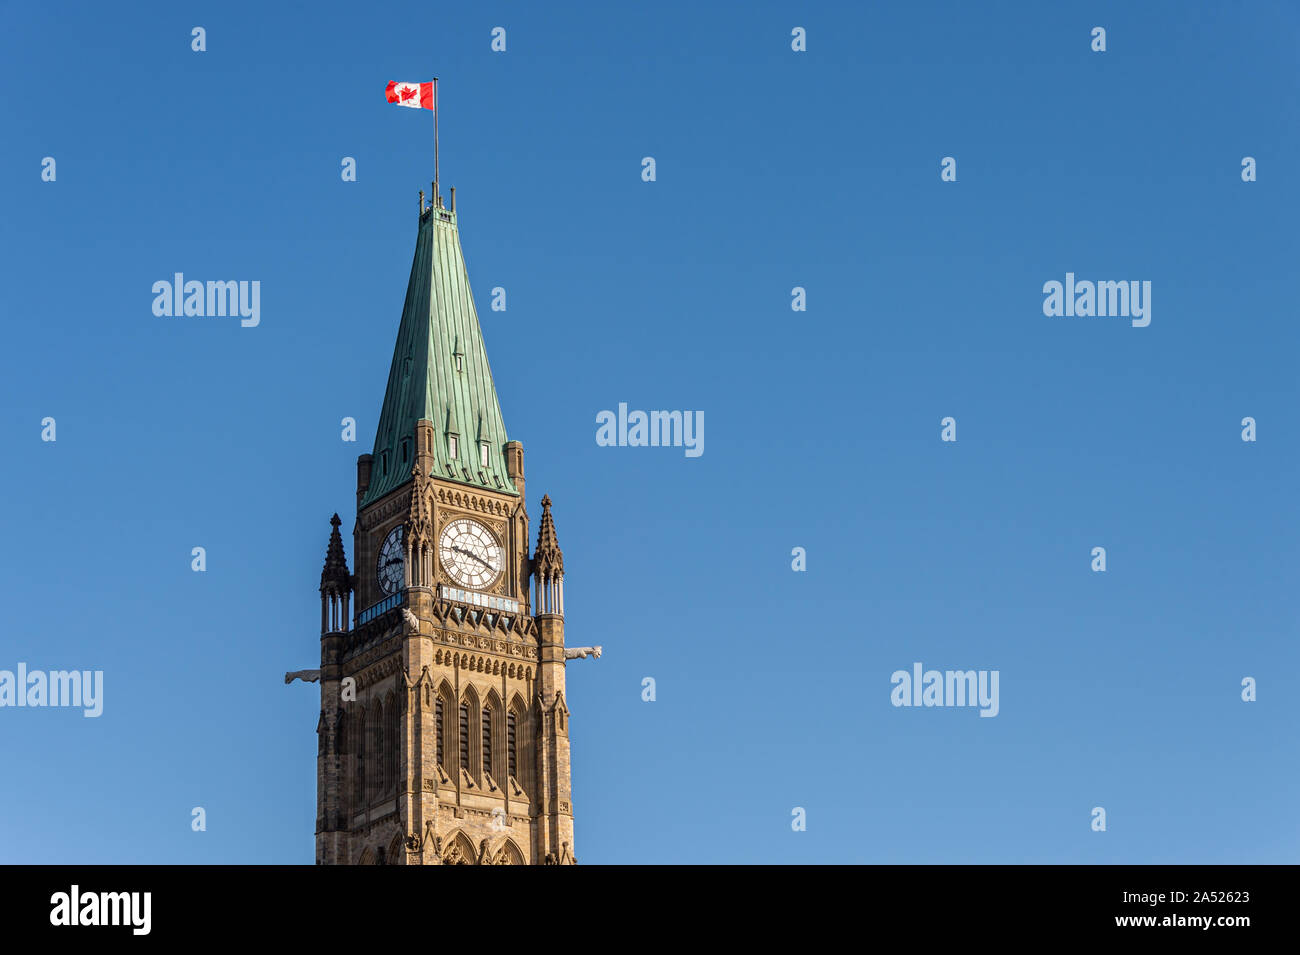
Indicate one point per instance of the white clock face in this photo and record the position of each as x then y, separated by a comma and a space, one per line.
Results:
391, 570
470, 554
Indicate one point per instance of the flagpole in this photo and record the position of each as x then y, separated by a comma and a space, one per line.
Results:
437, 192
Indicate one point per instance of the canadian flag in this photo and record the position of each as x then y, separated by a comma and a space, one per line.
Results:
414, 95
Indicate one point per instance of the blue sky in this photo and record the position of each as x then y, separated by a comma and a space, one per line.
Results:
775, 169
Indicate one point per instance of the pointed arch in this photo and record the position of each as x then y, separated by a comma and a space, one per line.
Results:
509, 854
561, 713
401, 701
374, 751
394, 854
392, 742
467, 731
518, 743
345, 758
367, 857
444, 715
492, 731
359, 763
460, 850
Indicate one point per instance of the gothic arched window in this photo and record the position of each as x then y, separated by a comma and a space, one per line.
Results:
438, 731
344, 743
392, 739
487, 741
464, 736
359, 761
512, 746
377, 753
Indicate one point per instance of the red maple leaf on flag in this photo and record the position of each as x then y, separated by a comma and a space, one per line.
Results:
406, 92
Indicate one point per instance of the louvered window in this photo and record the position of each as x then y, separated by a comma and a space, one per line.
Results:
437, 731
464, 736
512, 745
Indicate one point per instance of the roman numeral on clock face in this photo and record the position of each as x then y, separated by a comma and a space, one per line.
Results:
470, 555
390, 569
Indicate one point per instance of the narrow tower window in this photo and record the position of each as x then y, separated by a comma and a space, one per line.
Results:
464, 736
451, 446
437, 731
460, 364
393, 742
487, 740
512, 747
380, 762
359, 770
483, 454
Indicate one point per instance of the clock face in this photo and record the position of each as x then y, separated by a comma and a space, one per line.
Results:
470, 554
390, 570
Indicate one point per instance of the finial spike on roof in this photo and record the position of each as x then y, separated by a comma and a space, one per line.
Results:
549, 557
336, 562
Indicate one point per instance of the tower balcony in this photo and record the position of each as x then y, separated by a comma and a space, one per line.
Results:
391, 602
475, 599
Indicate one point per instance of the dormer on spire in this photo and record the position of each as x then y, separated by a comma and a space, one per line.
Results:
548, 565
335, 584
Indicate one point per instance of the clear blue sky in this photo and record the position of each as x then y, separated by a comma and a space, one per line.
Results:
775, 169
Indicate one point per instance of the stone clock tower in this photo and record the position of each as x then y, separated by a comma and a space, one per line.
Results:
444, 724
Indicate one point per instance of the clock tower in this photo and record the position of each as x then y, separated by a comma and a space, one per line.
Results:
444, 725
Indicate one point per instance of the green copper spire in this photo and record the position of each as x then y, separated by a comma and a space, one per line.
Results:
440, 372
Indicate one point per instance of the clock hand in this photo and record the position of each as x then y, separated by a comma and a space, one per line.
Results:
475, 556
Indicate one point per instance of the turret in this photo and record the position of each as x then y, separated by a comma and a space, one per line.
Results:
335, 598
548, 566
555, 842
335, 584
